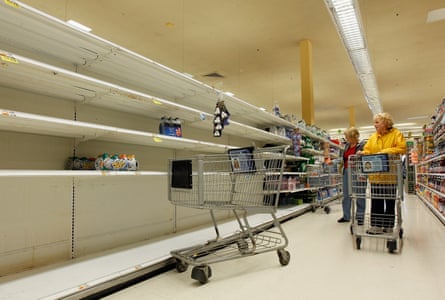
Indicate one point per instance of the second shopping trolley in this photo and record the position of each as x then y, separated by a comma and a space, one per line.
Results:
244, 181
377, 180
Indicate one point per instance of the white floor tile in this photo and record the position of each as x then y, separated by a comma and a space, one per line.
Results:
324, 265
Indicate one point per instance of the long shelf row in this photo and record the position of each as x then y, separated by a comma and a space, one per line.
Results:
32, 33
29, 75
33, 76
83, 131
434, 206
430, 171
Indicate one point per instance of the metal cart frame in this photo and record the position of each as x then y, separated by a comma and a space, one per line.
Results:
245, 182
379, 179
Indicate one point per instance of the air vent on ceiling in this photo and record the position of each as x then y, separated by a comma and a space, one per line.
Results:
214, 75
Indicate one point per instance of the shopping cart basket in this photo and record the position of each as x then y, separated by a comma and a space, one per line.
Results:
245, 181
377, 178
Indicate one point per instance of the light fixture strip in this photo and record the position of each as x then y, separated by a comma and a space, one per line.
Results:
346, 17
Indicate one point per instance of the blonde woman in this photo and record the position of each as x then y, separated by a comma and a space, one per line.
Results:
390, 140
352, 137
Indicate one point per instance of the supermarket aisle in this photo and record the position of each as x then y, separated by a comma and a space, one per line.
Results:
324, 265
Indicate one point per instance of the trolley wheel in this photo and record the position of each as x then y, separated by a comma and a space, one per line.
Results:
313, 208
283, 256
391, 245
243, 246
327, 209
401, 233
201, 273
358, 242
181, 266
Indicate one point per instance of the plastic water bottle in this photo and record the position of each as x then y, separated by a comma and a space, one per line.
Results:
177, 127
276, 109
162, 125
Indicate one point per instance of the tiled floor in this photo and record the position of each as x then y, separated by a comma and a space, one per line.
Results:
324, 265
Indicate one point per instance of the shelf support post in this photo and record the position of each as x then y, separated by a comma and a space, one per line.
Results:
307, 93
351, 116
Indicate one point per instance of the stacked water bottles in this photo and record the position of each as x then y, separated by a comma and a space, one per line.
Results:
116, 162
80, 163
170, 126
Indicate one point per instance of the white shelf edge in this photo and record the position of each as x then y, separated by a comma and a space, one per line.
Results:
38, 124
76, 173
432, 208
430, 160
432, 190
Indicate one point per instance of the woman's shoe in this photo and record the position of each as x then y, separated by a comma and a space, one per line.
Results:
342, 220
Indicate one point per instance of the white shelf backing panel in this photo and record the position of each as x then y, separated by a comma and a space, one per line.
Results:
37, 124
26, 74
33, 32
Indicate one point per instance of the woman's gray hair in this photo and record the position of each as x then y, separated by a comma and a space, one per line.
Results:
386, 118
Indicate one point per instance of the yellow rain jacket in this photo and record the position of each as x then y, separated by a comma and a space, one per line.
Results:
392, 142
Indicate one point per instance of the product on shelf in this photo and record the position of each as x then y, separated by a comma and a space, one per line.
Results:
80, 163
296, 141
430, 177
221, 118
276, 110
170, 126
116, 162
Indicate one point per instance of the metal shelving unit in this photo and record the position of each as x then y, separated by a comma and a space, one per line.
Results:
33, 76
31, 33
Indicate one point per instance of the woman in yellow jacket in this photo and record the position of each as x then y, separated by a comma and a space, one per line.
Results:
390, 140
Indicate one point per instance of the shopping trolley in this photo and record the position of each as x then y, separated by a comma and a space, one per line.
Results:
245, 181
377, 178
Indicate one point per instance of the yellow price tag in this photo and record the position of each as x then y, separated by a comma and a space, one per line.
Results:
12, 3
8, 59
156, 102
157, 139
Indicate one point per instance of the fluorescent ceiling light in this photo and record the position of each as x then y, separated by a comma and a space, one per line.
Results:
405, 124
436, 15
346, 17
79, 26
418, 117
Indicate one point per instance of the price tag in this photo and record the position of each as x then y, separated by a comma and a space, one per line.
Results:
9, 59
12, 3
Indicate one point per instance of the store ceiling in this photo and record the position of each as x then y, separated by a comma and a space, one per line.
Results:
254, 46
